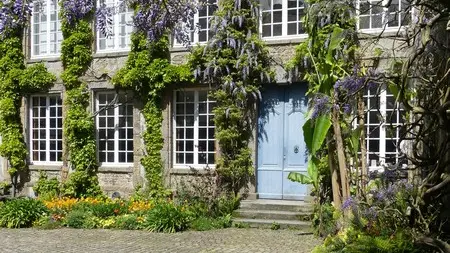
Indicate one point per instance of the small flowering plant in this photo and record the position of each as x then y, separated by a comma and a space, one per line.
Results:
386, 208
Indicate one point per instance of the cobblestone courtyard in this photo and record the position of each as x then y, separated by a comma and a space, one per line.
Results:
99, 241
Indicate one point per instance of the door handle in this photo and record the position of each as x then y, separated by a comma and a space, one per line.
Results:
296, 149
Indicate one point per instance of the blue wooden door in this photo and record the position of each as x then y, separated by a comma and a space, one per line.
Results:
281, 148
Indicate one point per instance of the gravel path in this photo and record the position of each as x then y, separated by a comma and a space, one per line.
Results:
98, 240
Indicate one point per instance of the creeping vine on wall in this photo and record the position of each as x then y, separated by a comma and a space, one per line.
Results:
79, 129
235, 62
148, 72
16, 81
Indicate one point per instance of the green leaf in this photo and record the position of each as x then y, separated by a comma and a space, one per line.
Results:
315, 132
300, 178
335, 41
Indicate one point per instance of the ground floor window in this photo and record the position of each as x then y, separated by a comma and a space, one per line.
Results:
194, 142
384, 127
46, 128
114, 120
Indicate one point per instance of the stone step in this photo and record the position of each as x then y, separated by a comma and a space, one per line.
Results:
273, 224
272, 215
277, 205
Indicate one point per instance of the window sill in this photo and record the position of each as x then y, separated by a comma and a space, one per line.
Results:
45, 167
179, 170
381, 32
50, 58
284, 40
116, 168
111, 54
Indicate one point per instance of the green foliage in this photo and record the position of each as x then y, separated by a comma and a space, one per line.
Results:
5, 188
21, 212
275, 226
16, 81
166, 217
79, 130
79, 219
102, 209
127, 221
207, 223
203, 197
47, 188
148, 72
352, 241
324, 220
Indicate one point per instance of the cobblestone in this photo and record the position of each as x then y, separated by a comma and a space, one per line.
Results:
100, 241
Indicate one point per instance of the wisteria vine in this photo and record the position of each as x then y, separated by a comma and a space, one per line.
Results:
155, 18
235, 63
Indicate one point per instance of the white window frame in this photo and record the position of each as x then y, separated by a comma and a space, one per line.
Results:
116, 162
47, 129
195, 164
48, 32
382, 128
116, 26
194, 35
385, 14
284, 23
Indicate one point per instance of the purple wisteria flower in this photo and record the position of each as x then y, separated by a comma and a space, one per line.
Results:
349, 203
321, 105
13, 14
73, 10
156, 17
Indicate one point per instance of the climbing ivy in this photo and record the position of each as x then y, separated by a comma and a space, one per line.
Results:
16, 81
235, 62
148, 72
79, 129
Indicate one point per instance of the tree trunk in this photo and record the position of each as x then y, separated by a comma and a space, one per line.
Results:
345, 187
335, 187
362, 139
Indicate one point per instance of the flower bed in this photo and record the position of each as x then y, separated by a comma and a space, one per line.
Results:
162, 215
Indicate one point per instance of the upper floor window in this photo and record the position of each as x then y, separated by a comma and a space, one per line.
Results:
376, 14
46, 35
384, 127
114, 128
194, 129
202, 32
120, 37
282, 18
46, 128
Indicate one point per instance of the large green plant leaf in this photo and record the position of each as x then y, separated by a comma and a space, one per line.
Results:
299, 178
335, 42
315, 133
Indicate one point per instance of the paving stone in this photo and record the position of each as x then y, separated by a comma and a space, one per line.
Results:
101, 241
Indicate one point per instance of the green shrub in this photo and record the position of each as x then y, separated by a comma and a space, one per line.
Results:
79, 219
167, 218
207, 223
102, 209
47, 188
21, 212
47, 222
127, 221
352, 241
5, 188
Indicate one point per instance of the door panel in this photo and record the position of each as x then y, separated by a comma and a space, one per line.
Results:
270, 145
281, 148
294, 145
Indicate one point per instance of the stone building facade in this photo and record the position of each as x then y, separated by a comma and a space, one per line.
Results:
110, 55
